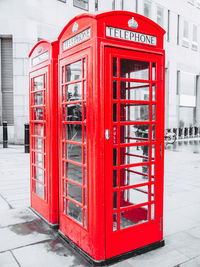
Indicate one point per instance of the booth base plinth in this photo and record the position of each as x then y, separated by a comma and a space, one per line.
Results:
115, 259
54, 226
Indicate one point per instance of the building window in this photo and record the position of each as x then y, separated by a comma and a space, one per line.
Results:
82, 4
64, 1
160, 16
96, 5
185, 41
168, 25
128, 5
113, 4
194, 38
147, 8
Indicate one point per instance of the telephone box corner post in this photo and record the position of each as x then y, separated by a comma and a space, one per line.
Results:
5, 134
26, 138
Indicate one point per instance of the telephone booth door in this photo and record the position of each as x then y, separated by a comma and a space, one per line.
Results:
43, 131
134, 111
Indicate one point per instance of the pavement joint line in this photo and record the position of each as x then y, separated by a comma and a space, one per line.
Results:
189, 259
10, 206
27, 245
15, 258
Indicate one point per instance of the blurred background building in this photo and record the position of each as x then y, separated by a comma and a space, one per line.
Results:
24, 22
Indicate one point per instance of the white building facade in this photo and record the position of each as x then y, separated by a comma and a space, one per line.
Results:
25, 22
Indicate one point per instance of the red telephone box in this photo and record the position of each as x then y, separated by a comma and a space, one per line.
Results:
111, 134
43, 97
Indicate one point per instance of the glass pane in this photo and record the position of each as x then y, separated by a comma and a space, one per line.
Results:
84, 68
153, 112
134, 175
74, 152
85, 218
39, 83
38, 98
64, 205
39, 159
74, 211
134, 154
134, 69
39, 144
153, 153
114, 200
114, 221
153, 71
74, 71
134, 196
38, 129
74, 132
114, 178
152, 192
74, 192
134, 91
39, 174
64, 187
134, 112
114, 67
134, 216
38, 112
85, 134
74, 172
74, 112
153, 92
153, 172
153, 132
39, 190
114, 90
63, 150
85, 90
85, 176
85, 155
74, 91
134, 133
152, 211
114, 156
114, 112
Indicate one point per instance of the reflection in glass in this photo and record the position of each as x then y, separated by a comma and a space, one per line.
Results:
114, 221
134, 216
153, 112
134, 69
74, 132
114, 200
38, 83
134, 112
134, 91
39, 144
74, 71
153, 132
38, 113
134, 154
74, 192
74, 112
39, 159
39, 190
74, 91
114, 178
153, 92
153, 71
74, 153
152, 192
74, 172
114, 67
38, 129
114, 89
153, 152
152, 211
134, 196
153, 172
134, 133
74, 211
39, 174
134, 175
85, 218
38, 98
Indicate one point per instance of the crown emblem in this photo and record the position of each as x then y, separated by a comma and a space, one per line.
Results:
132, 23
75, 27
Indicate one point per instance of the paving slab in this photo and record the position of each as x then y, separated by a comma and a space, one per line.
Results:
191, 263
53, 253
20, 235
7, 260
16, 216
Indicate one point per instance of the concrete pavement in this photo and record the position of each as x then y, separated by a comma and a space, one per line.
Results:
25, 240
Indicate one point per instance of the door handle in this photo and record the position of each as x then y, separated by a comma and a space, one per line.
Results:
107, 134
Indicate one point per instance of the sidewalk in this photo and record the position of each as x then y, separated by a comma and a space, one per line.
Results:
26, 241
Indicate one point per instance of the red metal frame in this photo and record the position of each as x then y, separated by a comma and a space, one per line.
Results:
43, 129
98, 239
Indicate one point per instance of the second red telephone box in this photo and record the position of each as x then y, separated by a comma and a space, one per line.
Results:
111, 134
43, 130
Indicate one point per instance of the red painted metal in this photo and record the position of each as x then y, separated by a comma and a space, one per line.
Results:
90, 224
43, 98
